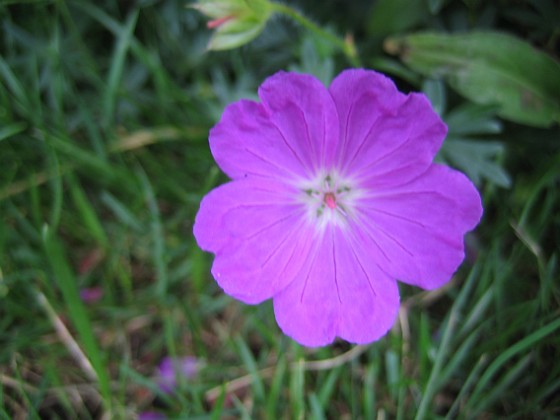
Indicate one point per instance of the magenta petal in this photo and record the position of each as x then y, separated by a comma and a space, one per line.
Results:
304, 113
307, 310
385, 135
256, 268
369, 299
246, 142
259, 235
268, 200
340, 293
415, 231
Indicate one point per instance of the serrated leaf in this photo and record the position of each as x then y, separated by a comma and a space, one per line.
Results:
312, 62
477, 159
469, 119
489, 68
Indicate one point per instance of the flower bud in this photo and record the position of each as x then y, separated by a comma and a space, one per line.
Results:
236, 21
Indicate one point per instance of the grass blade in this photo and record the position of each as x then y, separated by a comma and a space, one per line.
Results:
117, 67
522, 345
68, 286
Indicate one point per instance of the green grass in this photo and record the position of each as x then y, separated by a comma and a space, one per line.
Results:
105, 109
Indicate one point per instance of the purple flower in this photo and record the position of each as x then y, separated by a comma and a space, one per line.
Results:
170, 368
91, 294
334, 196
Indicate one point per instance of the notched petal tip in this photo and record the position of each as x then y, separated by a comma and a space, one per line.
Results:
385, 135
416, 231
258, 235
340, 293
304, 113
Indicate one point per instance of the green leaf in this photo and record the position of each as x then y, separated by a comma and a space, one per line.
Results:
435, 91
476, 158
524, 345
313, 62
472, 119
10, 130
116, 71
68, 284
394, 16
87, 212
489, 68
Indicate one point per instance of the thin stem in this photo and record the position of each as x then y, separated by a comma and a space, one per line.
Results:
66, 338
347, 46
325, 364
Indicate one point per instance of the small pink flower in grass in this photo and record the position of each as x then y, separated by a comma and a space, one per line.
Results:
91, 294
334, 196
151, 415
170, 369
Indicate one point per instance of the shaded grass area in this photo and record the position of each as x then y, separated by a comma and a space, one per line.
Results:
105, 109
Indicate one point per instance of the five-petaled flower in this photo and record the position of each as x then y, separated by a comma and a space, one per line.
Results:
334, 196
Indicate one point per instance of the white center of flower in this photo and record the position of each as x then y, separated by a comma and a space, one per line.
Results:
329, 198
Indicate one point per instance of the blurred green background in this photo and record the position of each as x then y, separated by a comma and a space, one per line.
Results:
105, 108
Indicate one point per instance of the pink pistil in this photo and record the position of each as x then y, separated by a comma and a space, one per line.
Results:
218, 22
330, 200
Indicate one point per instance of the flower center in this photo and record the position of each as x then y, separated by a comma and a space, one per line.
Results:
329, 198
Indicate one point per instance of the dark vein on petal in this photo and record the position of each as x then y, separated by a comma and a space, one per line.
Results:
388, 235
289, 234
267, 204
343, 145
273, 190
366, 178
396, 216
271, 225
437, 235
362, 144
270, 162
308, 135
334, 266
362, 268
391, 153
303, 165
314, 258
364, 169
371, 237
288, 262
392, 194
323, 146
